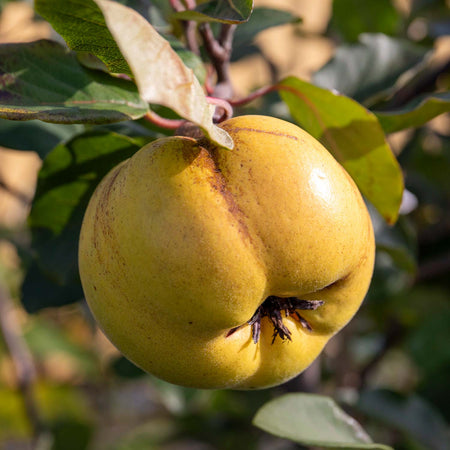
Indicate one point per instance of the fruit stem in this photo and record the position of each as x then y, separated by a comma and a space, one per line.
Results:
227, 109
169, 124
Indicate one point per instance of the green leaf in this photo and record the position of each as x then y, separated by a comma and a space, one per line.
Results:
35, 135
58, 405
398, 242
426, 159
261, 19
190, 59
62, 402
67, 180
72, 171
68, 434
82, 25
226, 11
313, 420
13, 420
374, 16
371, 66
42, 290
355, 138
416, 113
127, 43
170, 84
160, 13
42, 80
124, 368
429, 330
410, 414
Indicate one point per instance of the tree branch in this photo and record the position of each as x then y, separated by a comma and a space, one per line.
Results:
169, 124
190, 27
226, 38
424, 82
190, 32
22, 360
219, 51
15, 193
176, 5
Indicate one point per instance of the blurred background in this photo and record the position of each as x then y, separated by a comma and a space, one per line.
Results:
389, 368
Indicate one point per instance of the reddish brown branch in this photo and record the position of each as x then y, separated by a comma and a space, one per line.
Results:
190, 32
176, 5
190, 27
224, 105
15, 193
169, 124
219, 52
254, 95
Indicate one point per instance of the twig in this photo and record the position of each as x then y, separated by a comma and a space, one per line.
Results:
219, 52
22, 360
209, 87
173, 124
190, 27
169, 124
213, 47
176, 5
190, 4
15, 193
227, 109
190, 31
226, 38
254, 95
424, 82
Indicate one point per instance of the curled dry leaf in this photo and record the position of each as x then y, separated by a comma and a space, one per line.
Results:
171, 84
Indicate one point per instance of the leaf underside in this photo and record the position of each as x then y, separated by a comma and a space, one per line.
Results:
313, 420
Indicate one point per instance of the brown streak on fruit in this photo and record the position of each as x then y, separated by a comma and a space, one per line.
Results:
257, 130
102, 210
362, 260
208, 159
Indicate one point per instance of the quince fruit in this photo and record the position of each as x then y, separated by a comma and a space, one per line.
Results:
213, 268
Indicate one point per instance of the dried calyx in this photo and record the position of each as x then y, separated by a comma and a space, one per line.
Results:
273, 307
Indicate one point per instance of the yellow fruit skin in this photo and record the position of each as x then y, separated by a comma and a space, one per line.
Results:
180, 244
